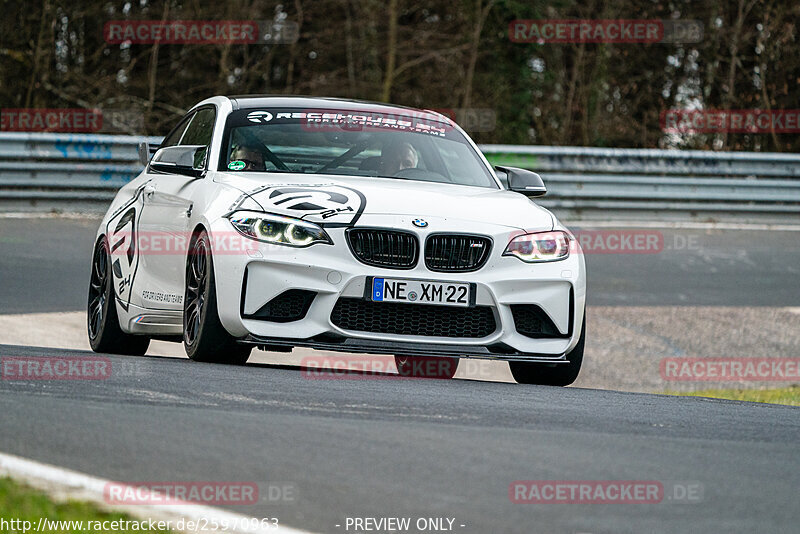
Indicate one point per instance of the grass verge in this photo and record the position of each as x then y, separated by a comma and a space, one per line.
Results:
789, 395
20, 503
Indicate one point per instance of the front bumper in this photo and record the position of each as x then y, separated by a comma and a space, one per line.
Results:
249, 280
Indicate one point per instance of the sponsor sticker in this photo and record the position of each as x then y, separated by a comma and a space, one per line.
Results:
259, 117
339, 204
160, 297
356, 121
236, 165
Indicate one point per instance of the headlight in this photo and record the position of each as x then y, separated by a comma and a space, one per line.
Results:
539, 247
278, 230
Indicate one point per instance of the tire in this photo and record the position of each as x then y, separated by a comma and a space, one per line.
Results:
204, 337
560, 375
102, 321
426, 367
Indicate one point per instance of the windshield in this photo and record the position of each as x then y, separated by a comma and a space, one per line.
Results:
404, 146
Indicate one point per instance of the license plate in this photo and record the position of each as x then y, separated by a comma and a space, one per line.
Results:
422, 292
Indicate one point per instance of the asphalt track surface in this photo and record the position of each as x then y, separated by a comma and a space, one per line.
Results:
384, 446
381, 446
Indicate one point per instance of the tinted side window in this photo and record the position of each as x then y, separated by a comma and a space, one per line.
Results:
175, 136
200, 129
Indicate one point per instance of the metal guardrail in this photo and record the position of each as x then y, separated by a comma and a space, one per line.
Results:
83, 172
644, 184
649, 161
65, 172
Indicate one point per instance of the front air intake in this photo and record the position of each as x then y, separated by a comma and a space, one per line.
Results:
413, 319
531, 321
389, 249
291, 305
450, 253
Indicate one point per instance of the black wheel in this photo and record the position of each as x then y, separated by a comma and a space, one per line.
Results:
204, 337
426, 367
560, 375
105, 334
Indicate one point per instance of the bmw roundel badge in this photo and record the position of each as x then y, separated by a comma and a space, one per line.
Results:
422, 223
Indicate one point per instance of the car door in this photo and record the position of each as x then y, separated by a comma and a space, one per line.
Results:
129, 266
164, 225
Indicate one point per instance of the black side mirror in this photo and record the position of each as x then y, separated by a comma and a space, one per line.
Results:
144, 153
522, 181
188, 160
146, 150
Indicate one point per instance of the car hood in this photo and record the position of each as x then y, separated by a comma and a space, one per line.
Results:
336, 199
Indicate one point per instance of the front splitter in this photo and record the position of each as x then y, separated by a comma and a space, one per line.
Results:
403, 348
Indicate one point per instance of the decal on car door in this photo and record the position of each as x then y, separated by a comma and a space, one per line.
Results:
122, 243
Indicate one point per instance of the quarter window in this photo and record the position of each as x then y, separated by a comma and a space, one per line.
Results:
175, 136
200, 128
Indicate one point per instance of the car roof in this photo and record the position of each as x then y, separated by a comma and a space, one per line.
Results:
316, 102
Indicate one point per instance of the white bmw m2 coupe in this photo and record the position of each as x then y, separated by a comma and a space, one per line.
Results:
282, 222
